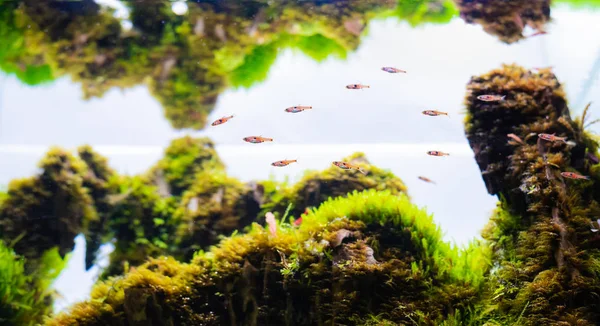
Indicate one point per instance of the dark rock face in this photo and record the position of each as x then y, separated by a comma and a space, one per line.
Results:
506, 19
541, 233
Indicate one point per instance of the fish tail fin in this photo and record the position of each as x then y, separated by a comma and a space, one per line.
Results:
503, 97
269, 139
367, 86
363, 171
587, 177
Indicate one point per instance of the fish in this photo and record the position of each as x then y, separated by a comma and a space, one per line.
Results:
393, 70
426, 179
298, 221
538, 33
573, 175
515, 138
491, 98
349, 166
552, 137
357, 86
434, 113
437, 153
283, 162
256, 139
221, 121
298, 108
270, 219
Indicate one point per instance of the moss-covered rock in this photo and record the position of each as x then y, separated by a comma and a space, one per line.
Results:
545, 251
215, 206
47, 210
316, 187
186, 61
371, 254
506, 19
184, 158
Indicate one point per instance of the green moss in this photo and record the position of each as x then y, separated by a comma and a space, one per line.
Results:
215, 206
393, 265
49, 209
186, 61
184, 158
316, 187
543, 247
24, 297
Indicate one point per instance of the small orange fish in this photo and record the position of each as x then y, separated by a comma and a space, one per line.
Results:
298, 221
357, 86
349, 166
221, 121
434, 113
437, 153
283, 162
426, 179
572, 175
538, 33
515, 138
270, 219
490, 98
393, 70
552, 137
256, 139
298, 108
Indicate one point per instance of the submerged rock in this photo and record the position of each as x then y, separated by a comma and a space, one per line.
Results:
316, 187
506, 19
543, 246
395, 267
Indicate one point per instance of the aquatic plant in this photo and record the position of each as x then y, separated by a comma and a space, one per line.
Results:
215, 206
370, 254
25, 296
318, 186
49, 209
544, 251
184, 158
186, 61
505, 19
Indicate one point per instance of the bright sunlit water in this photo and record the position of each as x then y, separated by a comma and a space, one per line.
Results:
385, 121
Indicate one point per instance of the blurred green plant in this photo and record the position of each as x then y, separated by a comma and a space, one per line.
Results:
24, 295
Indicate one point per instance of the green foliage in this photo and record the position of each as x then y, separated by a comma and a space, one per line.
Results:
579, 3
186, 61
15, 57
304, 274
545, 255
184, 158
418, 12
24, 296
316, 187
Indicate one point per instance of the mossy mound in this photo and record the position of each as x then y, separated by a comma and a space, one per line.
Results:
316, 187
371, 254
215, 206
546, 253
47, 210
184, 158
506, 19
